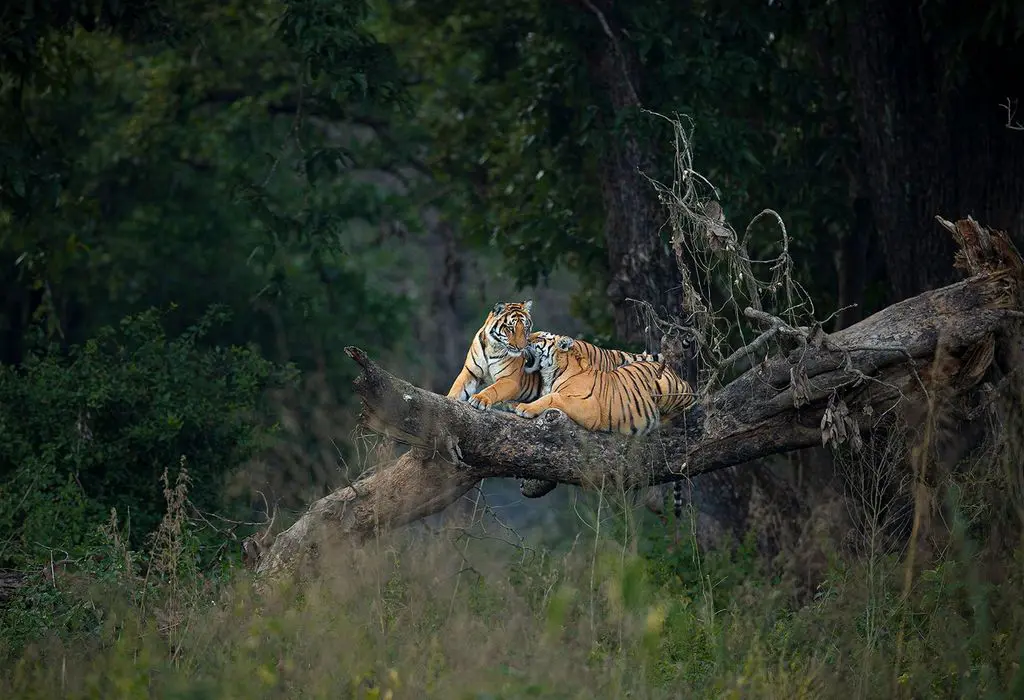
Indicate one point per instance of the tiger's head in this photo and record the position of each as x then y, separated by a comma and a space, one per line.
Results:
509, 325
558, 352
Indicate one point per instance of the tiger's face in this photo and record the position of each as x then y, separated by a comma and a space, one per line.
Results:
549, 351
538, 351
509, 325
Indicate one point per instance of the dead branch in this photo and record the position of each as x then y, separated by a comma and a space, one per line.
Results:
1010, 107
836, 385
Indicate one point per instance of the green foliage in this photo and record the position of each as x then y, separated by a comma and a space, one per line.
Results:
28, 24
131, 168
179, 154
517, 122
343, 60
107, 587
93, 430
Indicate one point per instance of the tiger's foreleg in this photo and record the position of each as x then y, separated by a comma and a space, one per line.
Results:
474, 371
535, 408
504, 389
465, 385
574, 409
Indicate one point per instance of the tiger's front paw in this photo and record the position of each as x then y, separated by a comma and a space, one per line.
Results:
480, 402
523, 410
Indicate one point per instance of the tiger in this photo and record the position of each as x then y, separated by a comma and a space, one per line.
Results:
499, 356
633, 399
494, 368
542, 345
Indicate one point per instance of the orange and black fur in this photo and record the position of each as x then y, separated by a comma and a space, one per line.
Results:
503, 362
632, 399
542, 345
493, 371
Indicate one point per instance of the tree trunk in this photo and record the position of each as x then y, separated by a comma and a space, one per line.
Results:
17, 302
642, 266
640, 263
441, 325
852, 265
933, 135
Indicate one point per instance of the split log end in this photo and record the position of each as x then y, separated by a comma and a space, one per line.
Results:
357, 354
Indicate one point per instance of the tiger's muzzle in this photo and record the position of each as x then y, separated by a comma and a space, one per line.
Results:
532, 359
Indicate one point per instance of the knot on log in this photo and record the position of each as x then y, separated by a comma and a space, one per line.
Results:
553, 415
536, 488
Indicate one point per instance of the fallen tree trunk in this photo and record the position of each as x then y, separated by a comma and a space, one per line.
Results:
819, 388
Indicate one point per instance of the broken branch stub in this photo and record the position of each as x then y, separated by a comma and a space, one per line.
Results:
837, 382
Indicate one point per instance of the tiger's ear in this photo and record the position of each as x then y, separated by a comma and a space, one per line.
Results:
565, 343
498, 308
528, 304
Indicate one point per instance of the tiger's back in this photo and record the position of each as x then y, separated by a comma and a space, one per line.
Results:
633, 399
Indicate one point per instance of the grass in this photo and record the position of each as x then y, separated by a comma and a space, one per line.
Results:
442, 615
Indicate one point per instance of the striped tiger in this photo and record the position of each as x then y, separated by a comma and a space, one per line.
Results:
632, 399
493, 370
540, 349
542, 346
505, 361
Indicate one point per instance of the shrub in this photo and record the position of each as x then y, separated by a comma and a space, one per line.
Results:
93, 428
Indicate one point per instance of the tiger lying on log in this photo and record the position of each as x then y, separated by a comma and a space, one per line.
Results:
508, 364
632, 399
501, 362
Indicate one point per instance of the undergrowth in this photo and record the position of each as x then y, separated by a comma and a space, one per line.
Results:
623, 613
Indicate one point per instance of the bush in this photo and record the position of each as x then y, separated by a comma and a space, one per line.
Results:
92, 429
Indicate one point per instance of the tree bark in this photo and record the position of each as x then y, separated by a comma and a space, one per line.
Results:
642, 266
852, 265
826, 389
640, 263
933, 135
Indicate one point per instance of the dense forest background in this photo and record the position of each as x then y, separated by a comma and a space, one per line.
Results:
202, 204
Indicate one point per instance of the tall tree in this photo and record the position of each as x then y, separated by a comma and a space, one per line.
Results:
640, 263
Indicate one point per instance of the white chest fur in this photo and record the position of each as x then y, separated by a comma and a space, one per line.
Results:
547, 378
